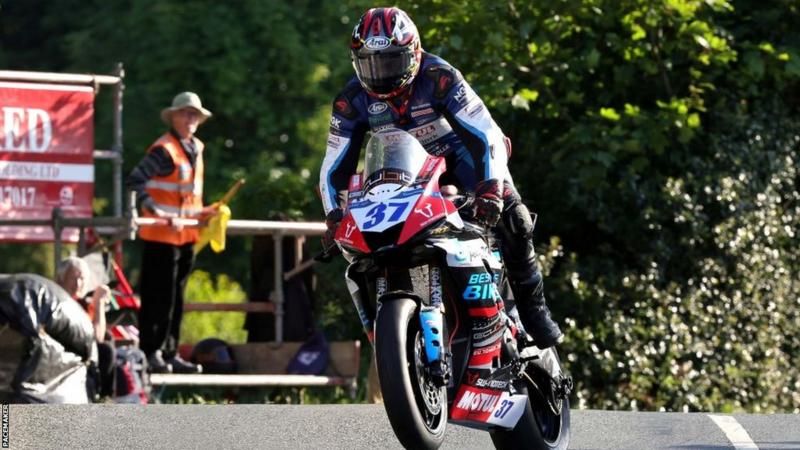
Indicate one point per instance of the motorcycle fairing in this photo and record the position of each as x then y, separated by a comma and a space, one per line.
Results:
429, 209
484, 396
350, 235
415, 205
467, 253
383, 207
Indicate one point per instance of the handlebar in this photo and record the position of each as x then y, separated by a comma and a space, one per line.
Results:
327, 254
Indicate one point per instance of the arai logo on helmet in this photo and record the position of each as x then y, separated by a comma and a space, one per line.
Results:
377, 108
377, 43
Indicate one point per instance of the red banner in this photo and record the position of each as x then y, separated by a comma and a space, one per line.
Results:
46, 158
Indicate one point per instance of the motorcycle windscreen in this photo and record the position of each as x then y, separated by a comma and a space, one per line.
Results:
393, 161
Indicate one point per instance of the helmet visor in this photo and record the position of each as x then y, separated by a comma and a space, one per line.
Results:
384, 72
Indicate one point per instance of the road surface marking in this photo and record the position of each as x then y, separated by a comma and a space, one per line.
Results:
735, 432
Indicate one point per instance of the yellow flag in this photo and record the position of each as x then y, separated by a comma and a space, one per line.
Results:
214, 233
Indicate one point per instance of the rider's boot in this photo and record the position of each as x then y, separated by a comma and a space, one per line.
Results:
533, 311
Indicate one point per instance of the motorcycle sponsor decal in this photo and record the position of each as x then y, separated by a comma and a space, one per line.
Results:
377, 43
427, 211
494, 348
475, 404
336, 123
492, 384
488, 406
397, 179
380, 286
486, 322
464, 253
348, 234
478, 401
377, 108
420, 106
436, 286
478, 335
469, 257
481, 286
468, 254
493, 337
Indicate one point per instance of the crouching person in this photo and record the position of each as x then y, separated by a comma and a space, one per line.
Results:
73, 274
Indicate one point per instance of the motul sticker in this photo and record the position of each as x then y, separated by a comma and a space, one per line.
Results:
477, 402
488, 406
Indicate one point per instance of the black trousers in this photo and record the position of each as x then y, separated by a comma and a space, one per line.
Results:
165, 269
101, 377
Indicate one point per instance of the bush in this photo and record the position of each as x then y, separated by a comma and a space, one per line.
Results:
228, 326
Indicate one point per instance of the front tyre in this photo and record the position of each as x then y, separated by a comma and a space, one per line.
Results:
417, 409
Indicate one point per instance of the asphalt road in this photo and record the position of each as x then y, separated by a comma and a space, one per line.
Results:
355, 427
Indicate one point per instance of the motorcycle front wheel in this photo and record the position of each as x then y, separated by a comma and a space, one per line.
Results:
416, 407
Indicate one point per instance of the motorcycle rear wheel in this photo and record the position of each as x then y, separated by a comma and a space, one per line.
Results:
417, 409
538, 428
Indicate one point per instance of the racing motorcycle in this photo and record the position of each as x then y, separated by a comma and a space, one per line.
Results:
431, 294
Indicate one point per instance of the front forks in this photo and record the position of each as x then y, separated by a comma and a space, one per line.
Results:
432, 323
439, 359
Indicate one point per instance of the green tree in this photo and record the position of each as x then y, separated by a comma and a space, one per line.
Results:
649, 135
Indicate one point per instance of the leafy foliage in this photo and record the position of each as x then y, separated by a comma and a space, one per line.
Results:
662, 138
228, 326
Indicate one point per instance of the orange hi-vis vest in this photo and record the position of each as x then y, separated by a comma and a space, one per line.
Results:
180, 192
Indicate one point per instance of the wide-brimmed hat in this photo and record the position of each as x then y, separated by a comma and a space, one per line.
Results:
185, 100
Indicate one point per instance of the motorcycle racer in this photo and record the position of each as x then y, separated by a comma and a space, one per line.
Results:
399, 85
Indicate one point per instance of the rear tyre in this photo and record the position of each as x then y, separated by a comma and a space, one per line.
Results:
417, 409
539, 427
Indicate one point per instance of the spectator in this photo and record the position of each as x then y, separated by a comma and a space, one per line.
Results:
168, 182
73, 274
